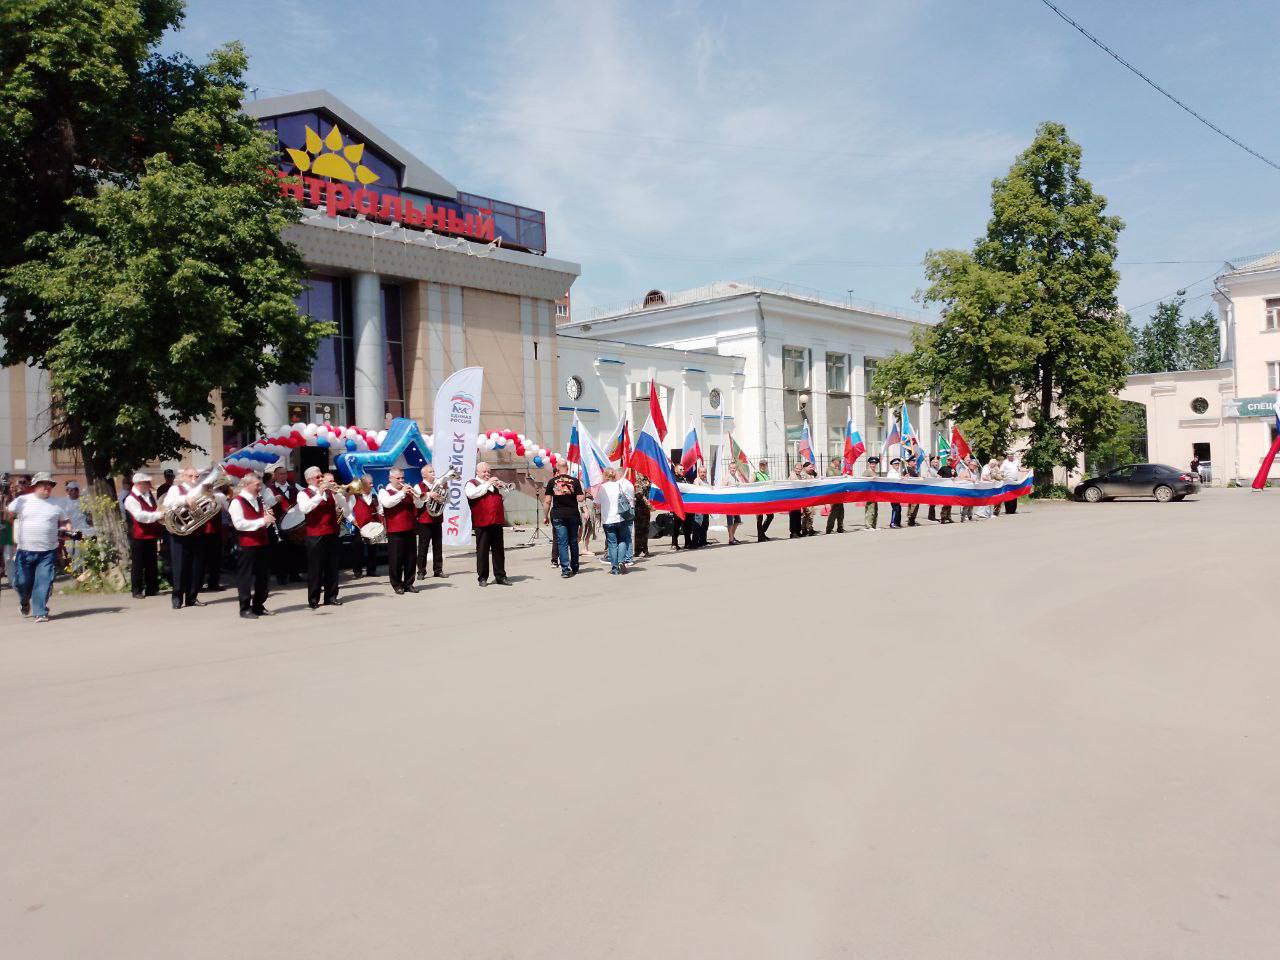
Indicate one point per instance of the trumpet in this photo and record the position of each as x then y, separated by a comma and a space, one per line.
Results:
502, 486
434, 499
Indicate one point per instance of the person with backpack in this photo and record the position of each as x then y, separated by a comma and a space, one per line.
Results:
616, 498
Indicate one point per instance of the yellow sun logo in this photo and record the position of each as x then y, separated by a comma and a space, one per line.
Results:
332, 157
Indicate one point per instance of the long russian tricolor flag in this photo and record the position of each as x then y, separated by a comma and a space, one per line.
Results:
784, 495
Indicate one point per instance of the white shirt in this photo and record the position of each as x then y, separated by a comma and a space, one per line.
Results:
310, 498
893, 474
477, 488
147, 511
389, 498
263, 503
1010, 471
175, 497
986, 472
37, 529
608, 494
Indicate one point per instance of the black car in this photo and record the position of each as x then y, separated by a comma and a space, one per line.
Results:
1139, 480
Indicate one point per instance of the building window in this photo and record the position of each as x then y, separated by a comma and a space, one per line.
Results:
655, 298
795, 368
562, 309
1273, 375
713, 398
1199, 405
332, 371
872, 423
1273, 315
839, 402
392, 324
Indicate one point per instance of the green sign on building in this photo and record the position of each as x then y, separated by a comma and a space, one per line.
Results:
1264, 406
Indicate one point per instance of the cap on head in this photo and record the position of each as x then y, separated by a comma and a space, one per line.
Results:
311, 473
894, 460
141, 477
72, 485
41, 477
875, 460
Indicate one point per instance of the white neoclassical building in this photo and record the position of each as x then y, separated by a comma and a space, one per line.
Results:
1223, 416
798, 355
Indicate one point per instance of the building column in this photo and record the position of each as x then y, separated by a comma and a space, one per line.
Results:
370, 343
273, 406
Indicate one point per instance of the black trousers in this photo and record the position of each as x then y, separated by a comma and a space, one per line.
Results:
430, 541
762, 524
794, 522
489, 546
186, 556
640, 544
253, 569
401, 558
1011, 506
166, 555
679, 527
366, 557
946, 513
143, 575
212, 558
322, 568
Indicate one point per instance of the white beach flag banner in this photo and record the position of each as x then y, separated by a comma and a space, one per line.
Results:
455, 425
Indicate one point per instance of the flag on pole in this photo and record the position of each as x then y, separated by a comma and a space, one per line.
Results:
649, 460
590, 459
806, 444
959, 446
944, 448
853, 448
691, 453
1264, 471
894, 437
620, 442
739, 457
655, 413
909, 434
721, 472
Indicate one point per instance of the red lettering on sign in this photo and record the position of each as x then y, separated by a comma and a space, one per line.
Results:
388, 207
480, 227
412, 215
438, 219
337, 197
365, 201
315, 189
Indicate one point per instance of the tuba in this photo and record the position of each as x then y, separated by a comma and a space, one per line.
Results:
435, 496
201, 506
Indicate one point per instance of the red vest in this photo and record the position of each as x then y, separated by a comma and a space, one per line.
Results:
425, 518
253, 538
322, 521
487, 510
143, 531
399, 519
283, 500
366, 512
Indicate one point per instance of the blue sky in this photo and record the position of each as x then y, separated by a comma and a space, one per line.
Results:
827, 145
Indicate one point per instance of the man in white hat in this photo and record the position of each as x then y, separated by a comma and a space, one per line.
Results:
144, 536
40, 519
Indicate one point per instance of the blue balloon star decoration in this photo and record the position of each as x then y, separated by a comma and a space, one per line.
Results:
403, 447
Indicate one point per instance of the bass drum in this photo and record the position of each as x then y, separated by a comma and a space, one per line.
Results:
293, 525
373, 532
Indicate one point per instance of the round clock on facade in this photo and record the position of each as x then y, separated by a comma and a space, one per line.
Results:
714, 399
573, 387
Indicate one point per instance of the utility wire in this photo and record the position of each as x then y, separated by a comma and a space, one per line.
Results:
1155, 86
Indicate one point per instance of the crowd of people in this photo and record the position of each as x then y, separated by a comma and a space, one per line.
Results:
295, 531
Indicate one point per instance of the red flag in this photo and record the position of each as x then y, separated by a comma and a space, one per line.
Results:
959, 446
655, 412
1264, 471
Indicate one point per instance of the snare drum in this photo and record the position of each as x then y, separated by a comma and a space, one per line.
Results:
373, 532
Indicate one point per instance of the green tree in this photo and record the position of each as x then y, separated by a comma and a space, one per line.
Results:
1200, 348
1170, 341
1030, 328
150, 272
1158, 346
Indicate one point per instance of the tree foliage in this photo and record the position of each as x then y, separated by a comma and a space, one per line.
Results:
1031, 342
151, 272
1171, 341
